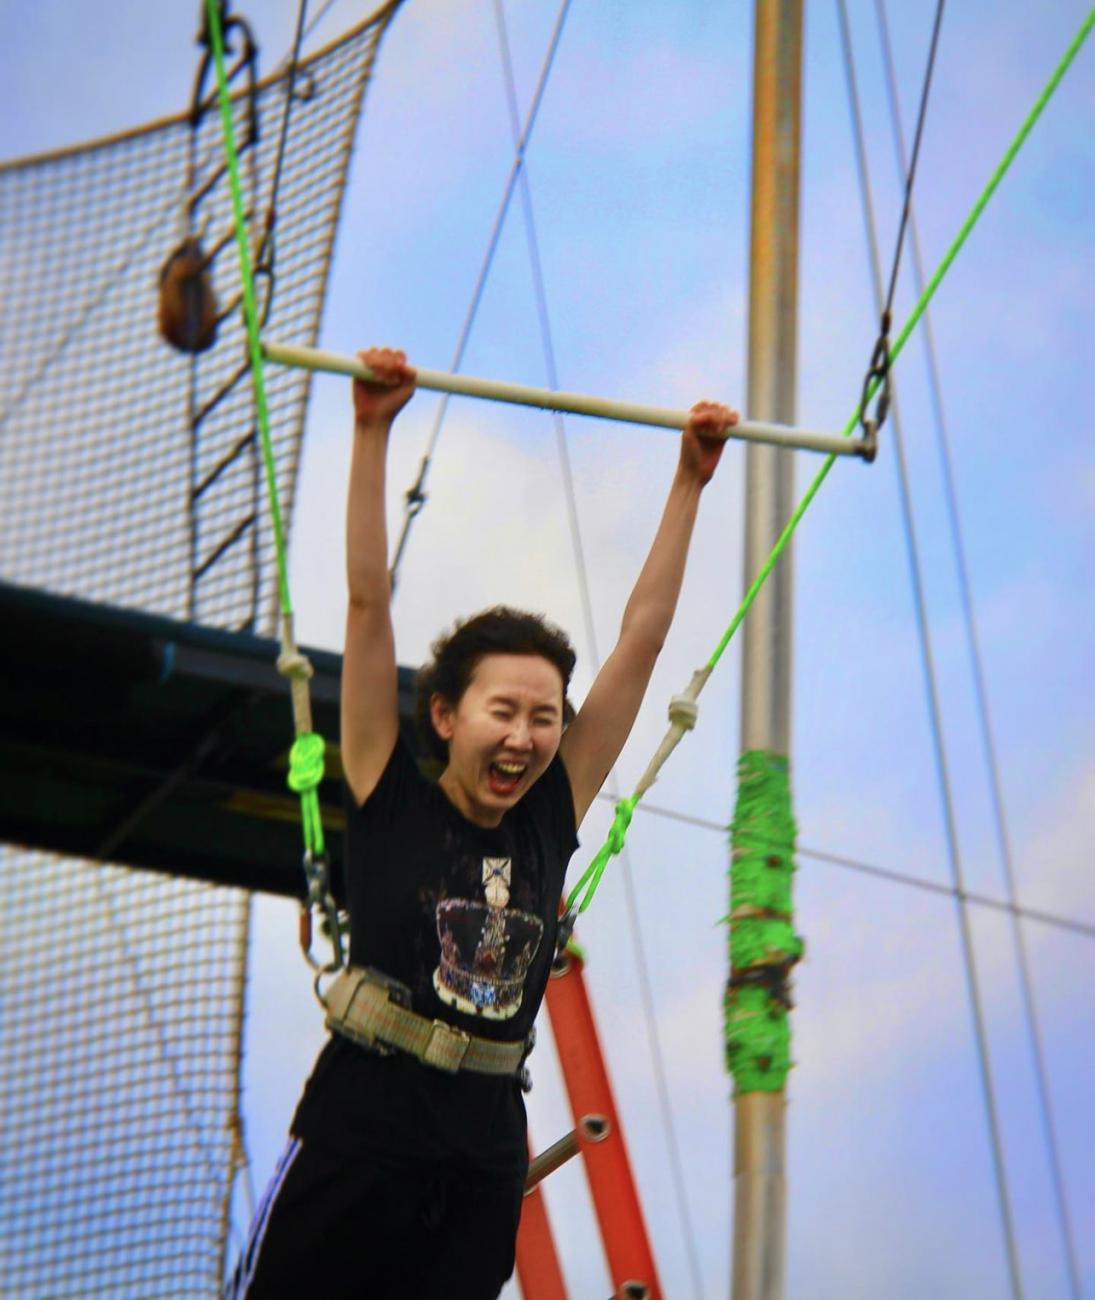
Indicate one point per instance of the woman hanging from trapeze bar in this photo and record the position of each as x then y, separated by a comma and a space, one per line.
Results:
404, 1171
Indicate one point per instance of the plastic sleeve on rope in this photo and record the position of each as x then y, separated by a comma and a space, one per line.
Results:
683, 711
299, 670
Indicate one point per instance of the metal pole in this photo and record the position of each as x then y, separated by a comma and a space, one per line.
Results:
591, 1128
537, 1261
759, 1188
550, 399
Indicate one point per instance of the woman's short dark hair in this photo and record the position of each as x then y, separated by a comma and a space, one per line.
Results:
497, 631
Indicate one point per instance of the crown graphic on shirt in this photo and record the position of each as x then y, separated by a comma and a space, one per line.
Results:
485, 955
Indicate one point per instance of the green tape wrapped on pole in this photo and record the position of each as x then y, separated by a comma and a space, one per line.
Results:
763, 943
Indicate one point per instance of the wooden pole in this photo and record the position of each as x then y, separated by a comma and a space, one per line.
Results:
759, 1190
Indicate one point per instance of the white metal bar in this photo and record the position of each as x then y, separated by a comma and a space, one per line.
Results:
604, 408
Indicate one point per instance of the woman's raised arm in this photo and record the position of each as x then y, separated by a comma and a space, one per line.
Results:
370, 706
593, 741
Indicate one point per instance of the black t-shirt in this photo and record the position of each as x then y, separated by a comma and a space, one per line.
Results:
466, 917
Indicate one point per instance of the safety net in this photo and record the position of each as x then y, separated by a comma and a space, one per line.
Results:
130, 475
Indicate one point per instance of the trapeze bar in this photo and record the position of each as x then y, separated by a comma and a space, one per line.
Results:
605, 408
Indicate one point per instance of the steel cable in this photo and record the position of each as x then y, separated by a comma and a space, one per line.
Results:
889, 874
415, 496
950, 496
932, 690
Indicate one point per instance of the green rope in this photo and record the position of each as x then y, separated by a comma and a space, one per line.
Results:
763, 943
619, 827
305, 773
250, 313
913, 320
306, 757
614, 842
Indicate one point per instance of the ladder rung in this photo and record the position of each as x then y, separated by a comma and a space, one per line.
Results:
230, 540
208, 408
222, 465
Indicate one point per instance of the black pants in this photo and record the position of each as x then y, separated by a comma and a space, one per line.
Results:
344, 1228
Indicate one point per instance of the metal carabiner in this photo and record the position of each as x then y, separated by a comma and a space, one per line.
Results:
319, 896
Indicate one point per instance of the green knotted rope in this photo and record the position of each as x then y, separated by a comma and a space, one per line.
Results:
763, 943
619, 826
306, 757
614, 842
305, 774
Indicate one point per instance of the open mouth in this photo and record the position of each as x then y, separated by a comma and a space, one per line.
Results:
504, 778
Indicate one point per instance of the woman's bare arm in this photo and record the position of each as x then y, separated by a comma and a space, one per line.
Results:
593, 741
370, 707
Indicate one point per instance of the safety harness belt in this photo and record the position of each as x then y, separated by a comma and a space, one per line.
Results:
372, 1009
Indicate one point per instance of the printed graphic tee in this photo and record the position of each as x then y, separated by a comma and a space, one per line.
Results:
466, 917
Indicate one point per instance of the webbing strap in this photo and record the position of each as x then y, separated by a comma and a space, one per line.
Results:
360, 1006
624, 809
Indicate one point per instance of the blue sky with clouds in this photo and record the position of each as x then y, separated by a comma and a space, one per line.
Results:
639, 177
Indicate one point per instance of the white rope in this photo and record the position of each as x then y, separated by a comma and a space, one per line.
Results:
298, 669
683, 712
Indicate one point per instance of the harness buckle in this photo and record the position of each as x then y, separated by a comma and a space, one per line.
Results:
446, 1048
524, 1077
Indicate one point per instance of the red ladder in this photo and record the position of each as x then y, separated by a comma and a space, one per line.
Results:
600, 1139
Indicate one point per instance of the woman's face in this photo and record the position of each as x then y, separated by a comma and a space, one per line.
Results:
502, 733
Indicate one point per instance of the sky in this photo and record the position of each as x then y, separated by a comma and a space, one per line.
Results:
638, 172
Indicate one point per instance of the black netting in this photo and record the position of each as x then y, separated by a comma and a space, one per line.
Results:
130, 474
121, 1001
